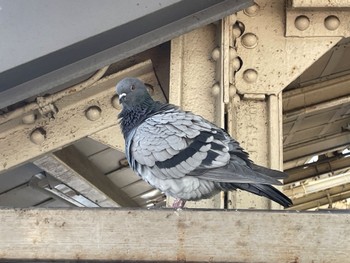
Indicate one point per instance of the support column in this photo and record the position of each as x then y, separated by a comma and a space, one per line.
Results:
269, 62
237, 71
193, 84
256, 122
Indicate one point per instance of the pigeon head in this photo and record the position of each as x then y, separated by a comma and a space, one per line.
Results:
132, 92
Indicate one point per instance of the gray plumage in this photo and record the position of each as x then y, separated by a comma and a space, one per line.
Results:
184, 155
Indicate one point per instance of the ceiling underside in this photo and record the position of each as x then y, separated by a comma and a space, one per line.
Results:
316, 134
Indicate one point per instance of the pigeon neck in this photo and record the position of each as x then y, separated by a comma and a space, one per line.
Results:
132, 117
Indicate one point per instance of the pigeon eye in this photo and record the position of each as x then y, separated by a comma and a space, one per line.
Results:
132, 87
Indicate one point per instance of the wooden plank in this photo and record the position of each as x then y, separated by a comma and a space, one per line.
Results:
73, 168
174, 235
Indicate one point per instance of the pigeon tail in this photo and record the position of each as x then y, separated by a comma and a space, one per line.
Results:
267, 171
261, 190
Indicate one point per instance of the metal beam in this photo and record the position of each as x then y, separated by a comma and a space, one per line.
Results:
262, 37
332, 92
317, 146
72, 168
321, 198
314, 186
109, 138
320, 3
173, 236
76, 115
137, 27
316, 107
323, 21
324, 166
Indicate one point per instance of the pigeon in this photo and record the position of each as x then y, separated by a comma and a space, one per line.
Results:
184, 155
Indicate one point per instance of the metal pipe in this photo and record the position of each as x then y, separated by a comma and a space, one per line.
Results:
52, 98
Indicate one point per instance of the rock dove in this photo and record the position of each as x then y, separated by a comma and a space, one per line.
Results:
185, 156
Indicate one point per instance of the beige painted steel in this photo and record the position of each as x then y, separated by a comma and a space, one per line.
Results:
334, 90
310, 187
270, 61
167, 235
72, 168
192, 73
318, 107
108, 137
315, 200
333, 165
320, 3
320, 23
70, 122
316, 147
276, 60
192, 77
43, 102
256, 124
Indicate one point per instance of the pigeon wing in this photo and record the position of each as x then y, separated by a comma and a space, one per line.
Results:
174, 144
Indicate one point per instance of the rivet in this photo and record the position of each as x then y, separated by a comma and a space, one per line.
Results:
249, 40
215, 54
233, 53
215, 89
93, 113
38, 136
232, 91
233, 19
236, 99
331, 22
115, 102
250, 75
238, 29
236, 64
29, 118
252, 10
302, 22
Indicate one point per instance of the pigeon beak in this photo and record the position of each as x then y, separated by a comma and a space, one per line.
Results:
121, 97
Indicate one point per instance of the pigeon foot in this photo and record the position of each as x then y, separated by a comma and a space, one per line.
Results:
179, 203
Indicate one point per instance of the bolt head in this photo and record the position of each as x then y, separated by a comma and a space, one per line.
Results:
38, 136
215, 54
331, 23
93, 113
250, 75
215, 89
233, 53
302, 22
252, 10
236, 63
236, 99
232, 90
249, 40
29, 118
115, 102
237, 29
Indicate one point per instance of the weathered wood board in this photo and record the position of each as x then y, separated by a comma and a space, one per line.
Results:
169, 235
